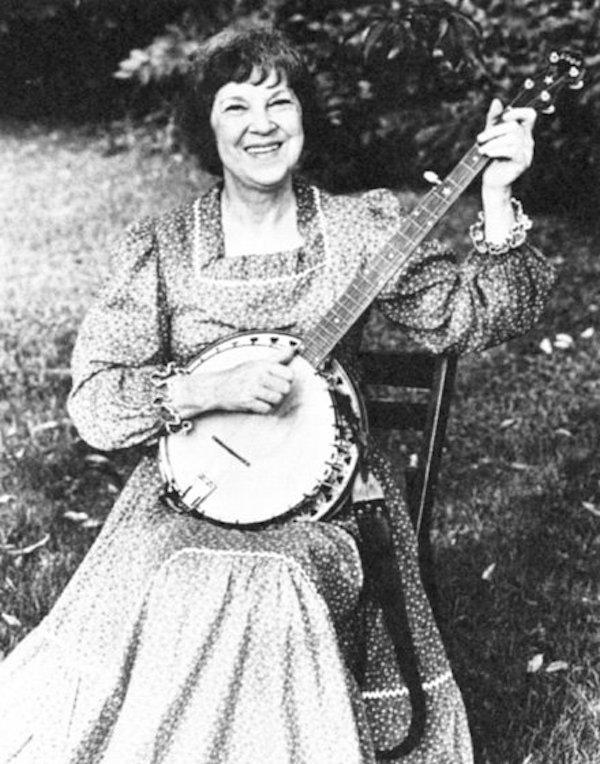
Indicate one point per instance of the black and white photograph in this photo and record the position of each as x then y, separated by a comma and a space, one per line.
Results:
299, 382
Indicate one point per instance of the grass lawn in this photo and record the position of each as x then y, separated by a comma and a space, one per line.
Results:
518, 510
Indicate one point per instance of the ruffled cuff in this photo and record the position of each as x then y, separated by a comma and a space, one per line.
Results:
171, 418
516, 236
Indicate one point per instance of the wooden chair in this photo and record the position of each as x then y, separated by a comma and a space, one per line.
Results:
398, 371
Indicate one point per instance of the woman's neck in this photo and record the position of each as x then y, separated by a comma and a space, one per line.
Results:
258, 222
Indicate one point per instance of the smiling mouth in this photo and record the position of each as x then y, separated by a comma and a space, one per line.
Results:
264, 149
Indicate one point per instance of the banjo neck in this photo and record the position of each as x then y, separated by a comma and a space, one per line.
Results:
398, 254
392, 260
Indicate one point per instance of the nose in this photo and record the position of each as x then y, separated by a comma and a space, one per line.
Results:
261, 122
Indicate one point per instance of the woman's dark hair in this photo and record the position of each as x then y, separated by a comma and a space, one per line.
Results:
233, 55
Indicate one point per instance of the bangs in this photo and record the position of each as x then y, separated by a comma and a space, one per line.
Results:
253, 56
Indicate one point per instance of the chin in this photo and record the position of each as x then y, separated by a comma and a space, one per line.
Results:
270, 178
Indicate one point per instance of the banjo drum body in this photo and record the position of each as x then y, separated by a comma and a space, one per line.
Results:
247, 469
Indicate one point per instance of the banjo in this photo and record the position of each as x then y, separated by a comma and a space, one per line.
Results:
299, 461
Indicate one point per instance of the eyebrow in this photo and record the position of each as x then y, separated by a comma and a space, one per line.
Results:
282, 90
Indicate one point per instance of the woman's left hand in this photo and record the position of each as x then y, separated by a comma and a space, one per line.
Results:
509, 143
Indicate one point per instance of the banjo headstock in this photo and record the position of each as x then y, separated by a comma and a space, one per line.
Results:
564, 70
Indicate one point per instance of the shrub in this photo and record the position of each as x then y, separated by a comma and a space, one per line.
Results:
412, 80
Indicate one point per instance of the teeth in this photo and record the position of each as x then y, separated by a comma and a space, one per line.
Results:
262, 149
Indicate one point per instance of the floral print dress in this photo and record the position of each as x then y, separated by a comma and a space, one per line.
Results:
178, 640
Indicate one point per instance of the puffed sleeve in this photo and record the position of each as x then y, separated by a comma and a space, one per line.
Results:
447, 304
121, 343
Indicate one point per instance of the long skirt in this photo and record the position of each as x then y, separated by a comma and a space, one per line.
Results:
178, 641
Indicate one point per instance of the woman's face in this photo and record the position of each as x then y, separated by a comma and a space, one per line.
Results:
258, 130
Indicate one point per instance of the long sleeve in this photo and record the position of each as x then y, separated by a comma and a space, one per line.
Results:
122, 341
450, 305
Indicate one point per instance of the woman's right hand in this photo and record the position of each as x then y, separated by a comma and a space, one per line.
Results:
253, 386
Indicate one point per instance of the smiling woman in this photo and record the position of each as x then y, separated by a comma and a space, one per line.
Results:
180, 639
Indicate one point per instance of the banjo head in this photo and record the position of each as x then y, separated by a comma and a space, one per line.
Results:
247, 469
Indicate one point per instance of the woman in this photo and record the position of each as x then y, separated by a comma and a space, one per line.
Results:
182, 641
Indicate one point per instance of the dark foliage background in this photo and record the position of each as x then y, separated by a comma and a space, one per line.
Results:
397, 79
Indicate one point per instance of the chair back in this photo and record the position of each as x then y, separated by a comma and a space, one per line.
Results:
422, 371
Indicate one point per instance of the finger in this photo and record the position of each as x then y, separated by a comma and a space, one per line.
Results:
508, 146
259, 407
502, 128
277, 383
280, 371
525, 116
267, 395
494, 112
285, 355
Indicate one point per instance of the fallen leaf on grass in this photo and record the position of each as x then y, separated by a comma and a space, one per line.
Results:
487, 573
591, 507
528, 759
29, 549
11, 620
507, 423
520, 466
97, 459
563, 341
92, 522
535, 664
587, 333
76, 517
6, 497
563, 431
555, 666
44, 426
546, 346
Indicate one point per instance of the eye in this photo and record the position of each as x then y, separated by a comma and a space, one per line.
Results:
281, 101
233, 107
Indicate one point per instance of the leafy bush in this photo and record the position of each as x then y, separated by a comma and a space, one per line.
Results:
404, 84
378, 68
59, 56
412, 80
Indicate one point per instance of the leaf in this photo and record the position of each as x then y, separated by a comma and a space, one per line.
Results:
11, 620
563, 341
92, 522
373, 35
5, 498
535, 664
563, 431
546, 346
97, 459
591, 507
76, 517
487, 573
44, 426
507, 423
587, 333
555, 666
520, 466
31, 548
